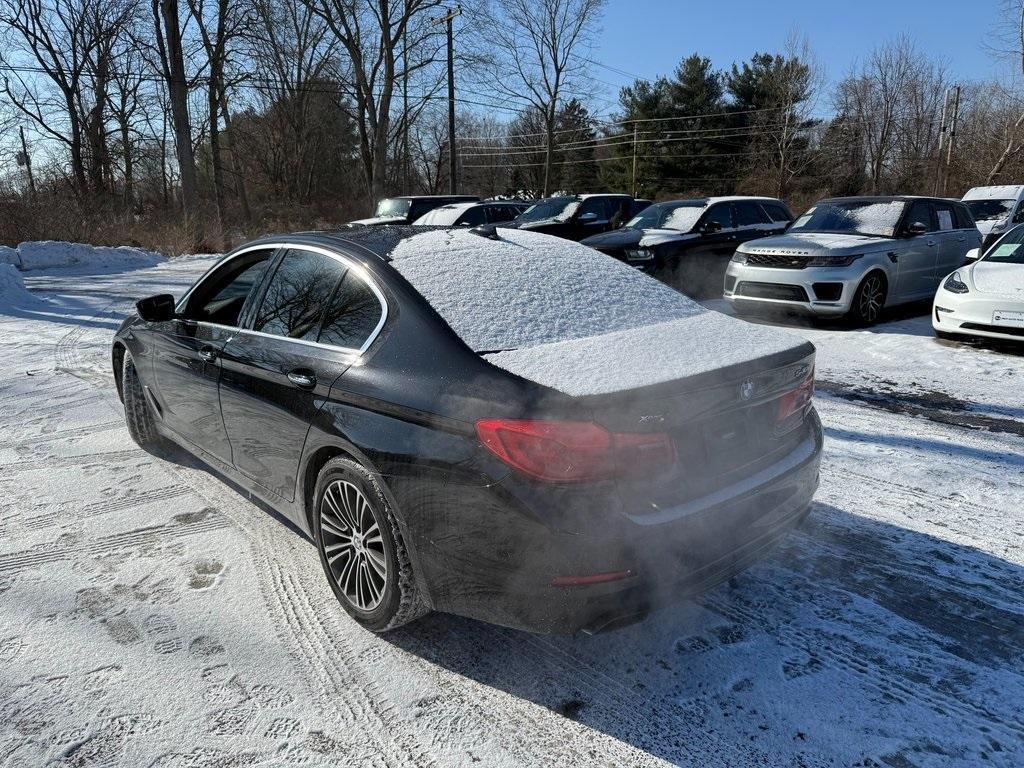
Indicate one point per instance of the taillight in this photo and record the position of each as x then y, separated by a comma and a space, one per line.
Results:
797, 399
573, 451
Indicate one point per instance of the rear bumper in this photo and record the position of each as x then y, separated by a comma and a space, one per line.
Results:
502, 572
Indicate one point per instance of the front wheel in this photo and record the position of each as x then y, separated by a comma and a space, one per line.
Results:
138, 413
361, 548
869, 300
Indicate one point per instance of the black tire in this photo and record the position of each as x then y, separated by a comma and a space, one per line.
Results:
138, 414
868, 300
399, 601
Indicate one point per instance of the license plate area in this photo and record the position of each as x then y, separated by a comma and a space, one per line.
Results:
1007, 317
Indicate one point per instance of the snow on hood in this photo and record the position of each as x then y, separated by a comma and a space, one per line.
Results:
1002, 279
985, 226
654, 237
379, 220
9, 255
1005, 192
567, 317
815, 243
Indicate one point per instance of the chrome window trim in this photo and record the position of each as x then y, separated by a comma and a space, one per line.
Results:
350, 264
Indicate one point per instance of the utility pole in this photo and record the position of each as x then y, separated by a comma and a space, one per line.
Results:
405, 112
633, 192
942, 141
952, 135
27, 161
447, 20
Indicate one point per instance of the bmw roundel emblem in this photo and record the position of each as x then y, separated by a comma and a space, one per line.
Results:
747, 389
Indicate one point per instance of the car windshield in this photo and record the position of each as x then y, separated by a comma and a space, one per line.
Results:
557, 208
1009, 250
393, 206
855, 217
681, 216
989, 210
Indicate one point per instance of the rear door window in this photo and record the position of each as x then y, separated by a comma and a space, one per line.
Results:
750, 214
296, 295
945, 216
775, 212
352, 315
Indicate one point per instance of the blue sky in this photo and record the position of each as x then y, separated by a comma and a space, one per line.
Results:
649, 37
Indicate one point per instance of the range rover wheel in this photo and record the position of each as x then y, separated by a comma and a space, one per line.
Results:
869, 300
361, 548
138, 413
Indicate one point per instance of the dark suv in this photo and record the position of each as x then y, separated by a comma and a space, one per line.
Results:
576, 217
406, 209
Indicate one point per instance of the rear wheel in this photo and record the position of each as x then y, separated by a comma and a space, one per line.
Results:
138, 413
869, 300
361, 548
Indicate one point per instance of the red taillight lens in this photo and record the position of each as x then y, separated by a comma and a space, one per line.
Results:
573, 451
796, 400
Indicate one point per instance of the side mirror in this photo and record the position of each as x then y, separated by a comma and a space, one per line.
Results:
916, 228
587, 218
156, 309
973, 255
710, 227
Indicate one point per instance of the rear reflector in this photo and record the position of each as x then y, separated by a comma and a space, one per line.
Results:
573, 451
595, 578
796, 400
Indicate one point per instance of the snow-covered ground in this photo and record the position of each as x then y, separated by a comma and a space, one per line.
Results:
154, 616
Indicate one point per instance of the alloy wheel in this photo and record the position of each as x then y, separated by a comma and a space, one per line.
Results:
872, 295
353, 545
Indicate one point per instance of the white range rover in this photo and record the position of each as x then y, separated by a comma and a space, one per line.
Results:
852, 257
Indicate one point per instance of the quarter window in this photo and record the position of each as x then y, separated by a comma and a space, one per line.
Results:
296, 295
352, 315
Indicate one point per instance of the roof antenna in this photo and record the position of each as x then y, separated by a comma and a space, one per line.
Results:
490, 231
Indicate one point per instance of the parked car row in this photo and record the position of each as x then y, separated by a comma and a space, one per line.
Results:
843, 258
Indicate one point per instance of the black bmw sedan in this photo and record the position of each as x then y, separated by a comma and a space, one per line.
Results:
505, 426
688, 243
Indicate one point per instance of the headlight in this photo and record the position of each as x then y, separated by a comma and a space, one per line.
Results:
833, 261
641, 255
739, 258
954, 284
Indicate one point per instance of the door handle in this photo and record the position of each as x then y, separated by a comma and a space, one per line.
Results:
930, 243
207, 354
302, 378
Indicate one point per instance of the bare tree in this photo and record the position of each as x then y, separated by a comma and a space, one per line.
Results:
544, 44
58, 54
374, 34
167, 29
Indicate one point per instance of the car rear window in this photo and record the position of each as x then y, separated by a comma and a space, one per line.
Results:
527, 289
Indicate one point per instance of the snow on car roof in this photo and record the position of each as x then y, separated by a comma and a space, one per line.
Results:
1004, 192
570, 318
445, 215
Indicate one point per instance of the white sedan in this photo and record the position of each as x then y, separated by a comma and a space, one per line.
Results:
986, 297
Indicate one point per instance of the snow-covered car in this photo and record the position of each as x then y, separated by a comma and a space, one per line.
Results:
406, 209
576, 217
995, 209
985, 297
465, 422
472, 214
853, 257
688, 243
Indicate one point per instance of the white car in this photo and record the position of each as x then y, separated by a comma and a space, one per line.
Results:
995, 209
986, 297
